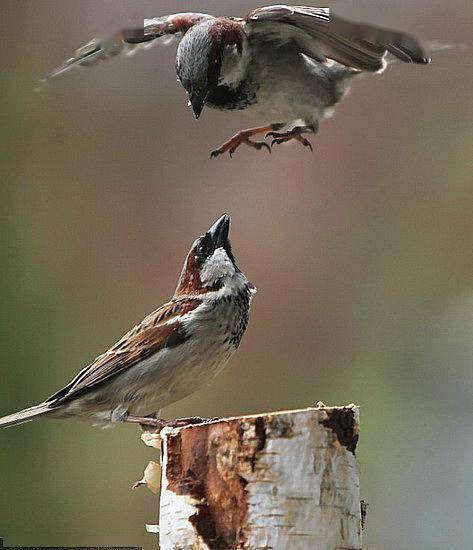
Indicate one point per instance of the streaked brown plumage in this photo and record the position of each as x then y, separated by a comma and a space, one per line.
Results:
171, 353
285, 67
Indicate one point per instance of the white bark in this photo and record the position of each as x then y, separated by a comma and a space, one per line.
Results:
279, 481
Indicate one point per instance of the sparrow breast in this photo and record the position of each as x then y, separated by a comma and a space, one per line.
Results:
214, 331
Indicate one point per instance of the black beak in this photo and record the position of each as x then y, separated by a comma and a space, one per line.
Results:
219, 232
197, 100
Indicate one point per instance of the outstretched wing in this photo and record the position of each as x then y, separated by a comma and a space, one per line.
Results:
161, 329
128, 41
323, 35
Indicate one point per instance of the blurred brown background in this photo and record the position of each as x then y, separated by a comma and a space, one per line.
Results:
362, 253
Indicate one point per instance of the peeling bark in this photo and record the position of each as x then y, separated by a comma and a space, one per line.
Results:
284, 480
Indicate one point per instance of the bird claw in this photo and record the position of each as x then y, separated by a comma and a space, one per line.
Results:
231, 148
221, 150
191, 421
284, 137
277, 141
306, 143
150, 422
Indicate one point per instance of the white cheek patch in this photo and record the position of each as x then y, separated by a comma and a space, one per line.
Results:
215, 267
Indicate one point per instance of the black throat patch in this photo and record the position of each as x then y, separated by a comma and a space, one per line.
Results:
228, 98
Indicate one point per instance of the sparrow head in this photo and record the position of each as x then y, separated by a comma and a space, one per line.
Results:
210, 263
200, 55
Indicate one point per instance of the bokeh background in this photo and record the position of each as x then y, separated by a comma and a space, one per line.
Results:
362, 253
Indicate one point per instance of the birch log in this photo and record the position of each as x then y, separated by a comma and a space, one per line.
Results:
280, 481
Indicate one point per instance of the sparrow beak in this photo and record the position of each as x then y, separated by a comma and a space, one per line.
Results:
219, 232
197, 100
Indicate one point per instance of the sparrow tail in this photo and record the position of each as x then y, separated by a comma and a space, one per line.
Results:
26, 415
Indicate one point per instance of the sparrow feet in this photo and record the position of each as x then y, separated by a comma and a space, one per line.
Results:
243, 136
181, 422
232, 145
271, 130
284, 137
147, 422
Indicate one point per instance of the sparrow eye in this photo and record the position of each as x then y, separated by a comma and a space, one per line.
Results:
204, 249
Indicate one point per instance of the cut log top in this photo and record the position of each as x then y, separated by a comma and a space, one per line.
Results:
283, 480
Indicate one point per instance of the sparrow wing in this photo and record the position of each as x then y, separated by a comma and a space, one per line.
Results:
129, 41
323, 35
161, 329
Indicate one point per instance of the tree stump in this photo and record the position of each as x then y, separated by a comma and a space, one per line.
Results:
280, 481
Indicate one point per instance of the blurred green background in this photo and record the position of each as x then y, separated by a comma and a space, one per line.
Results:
362, 253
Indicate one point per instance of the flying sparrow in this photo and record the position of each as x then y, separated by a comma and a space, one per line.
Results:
171, 353
283, 65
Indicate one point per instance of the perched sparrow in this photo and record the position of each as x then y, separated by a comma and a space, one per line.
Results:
284, 65
171, 353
